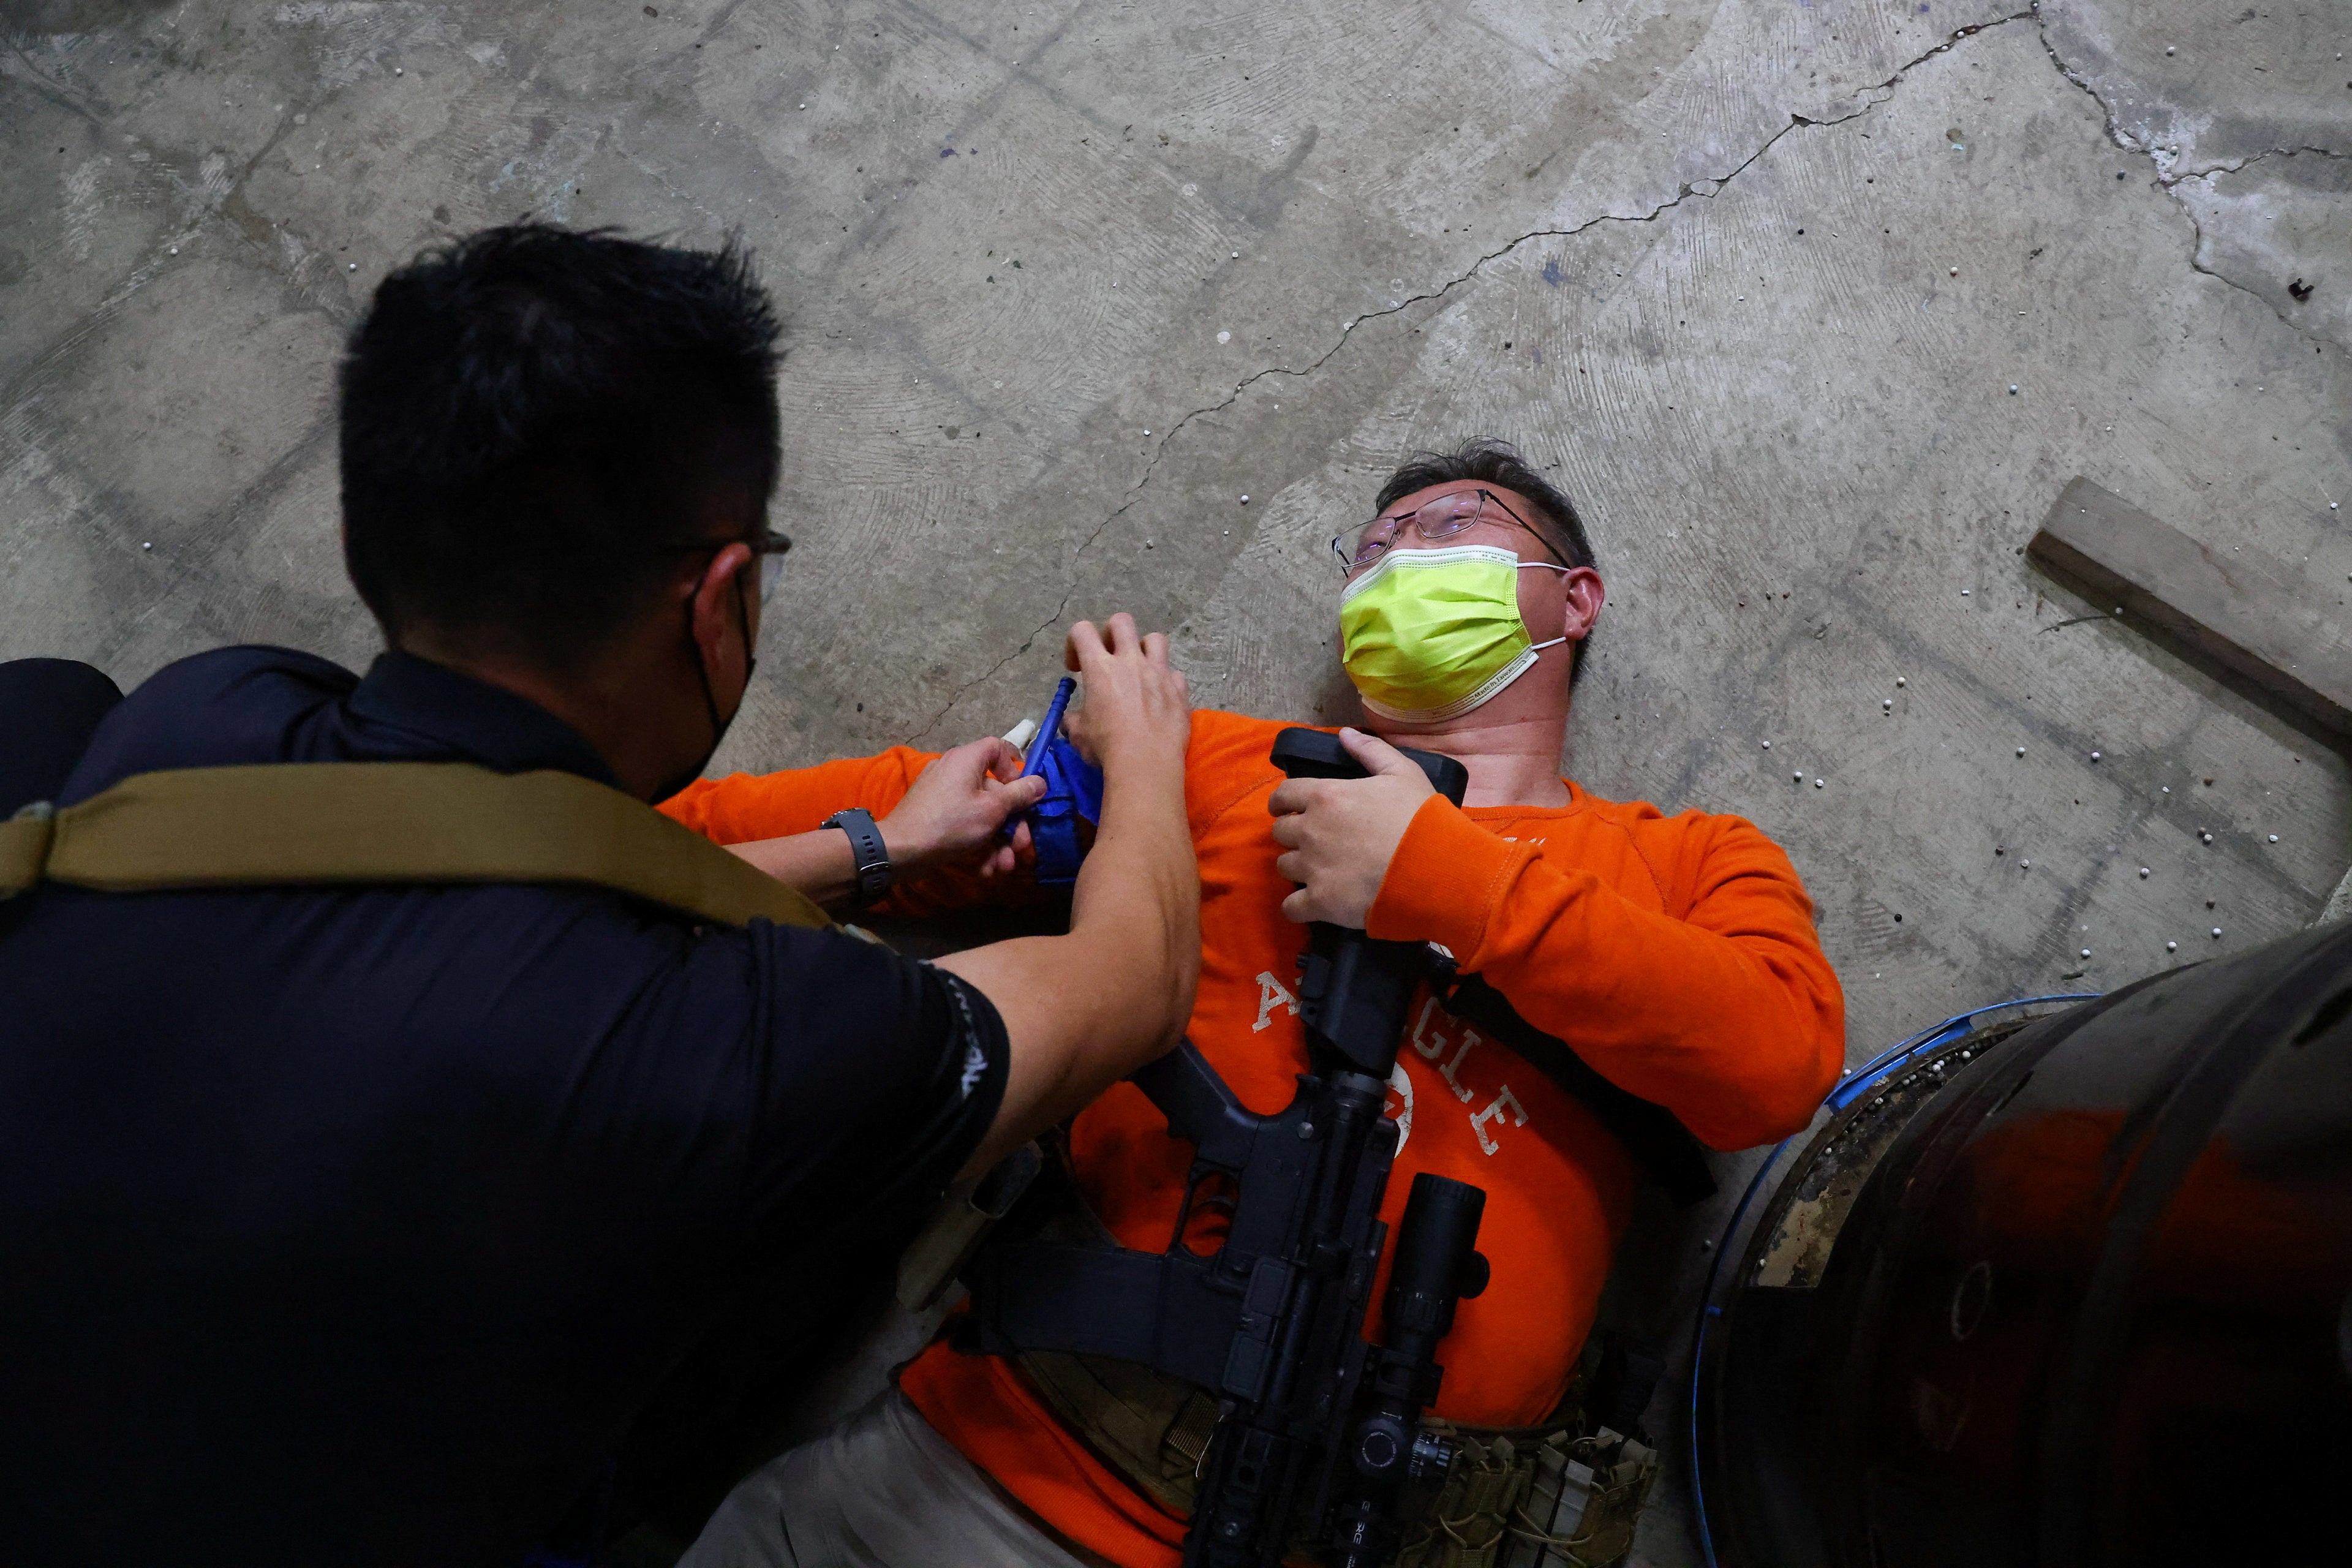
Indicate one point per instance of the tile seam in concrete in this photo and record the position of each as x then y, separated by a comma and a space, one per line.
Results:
1252, 214
201, 214
638, 162
978, 112
25, 389
51, 90
1686, 190
709, 31
213, 529
2166, 180
1514, 46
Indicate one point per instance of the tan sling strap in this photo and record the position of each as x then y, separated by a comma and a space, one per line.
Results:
312, 824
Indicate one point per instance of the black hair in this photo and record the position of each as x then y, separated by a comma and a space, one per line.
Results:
1495, 462
534, 421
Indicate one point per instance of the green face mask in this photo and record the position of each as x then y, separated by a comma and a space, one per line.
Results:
1429, 635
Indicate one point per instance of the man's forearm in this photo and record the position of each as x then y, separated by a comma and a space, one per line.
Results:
1138, 901
821, 864
1089, 1008
748, 808
953, 810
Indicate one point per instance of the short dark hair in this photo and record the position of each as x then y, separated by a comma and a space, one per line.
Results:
1490, 461
533, 420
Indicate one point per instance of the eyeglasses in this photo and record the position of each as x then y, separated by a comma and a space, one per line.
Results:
769, 549
1446, 516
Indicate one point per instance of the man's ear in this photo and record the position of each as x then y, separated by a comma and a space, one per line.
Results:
721, 619
1583, 598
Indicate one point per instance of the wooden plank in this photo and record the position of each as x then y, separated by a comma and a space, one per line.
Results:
2240, 616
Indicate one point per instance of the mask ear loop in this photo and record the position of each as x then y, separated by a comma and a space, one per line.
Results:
1547, 566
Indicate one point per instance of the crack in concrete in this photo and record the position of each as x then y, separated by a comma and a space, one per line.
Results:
1688, 190
2167, 179
1069, 588
2250, 160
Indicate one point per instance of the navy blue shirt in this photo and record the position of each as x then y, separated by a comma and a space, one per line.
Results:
355, 1226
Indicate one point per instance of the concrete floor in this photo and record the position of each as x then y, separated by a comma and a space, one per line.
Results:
1813, 306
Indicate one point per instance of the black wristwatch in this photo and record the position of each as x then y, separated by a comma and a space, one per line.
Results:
872, 855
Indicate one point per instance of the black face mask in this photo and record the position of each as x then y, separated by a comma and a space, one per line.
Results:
719, 725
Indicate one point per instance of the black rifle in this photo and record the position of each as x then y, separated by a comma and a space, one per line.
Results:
1319, 1429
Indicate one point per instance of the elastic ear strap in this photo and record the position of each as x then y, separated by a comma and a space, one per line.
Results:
1549, 566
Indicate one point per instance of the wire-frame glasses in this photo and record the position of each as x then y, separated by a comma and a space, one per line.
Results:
1446, 516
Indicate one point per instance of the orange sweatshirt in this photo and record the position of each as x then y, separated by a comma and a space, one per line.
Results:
1676, 954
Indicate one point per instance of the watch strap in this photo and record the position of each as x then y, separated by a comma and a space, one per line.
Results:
865, 845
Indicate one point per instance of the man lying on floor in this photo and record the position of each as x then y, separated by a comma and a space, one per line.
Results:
1675, 955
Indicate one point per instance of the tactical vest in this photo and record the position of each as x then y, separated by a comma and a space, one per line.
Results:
1502, 1504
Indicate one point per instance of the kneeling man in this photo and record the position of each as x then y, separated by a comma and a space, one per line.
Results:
1675, 955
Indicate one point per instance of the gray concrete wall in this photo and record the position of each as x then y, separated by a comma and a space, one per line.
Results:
1753, 278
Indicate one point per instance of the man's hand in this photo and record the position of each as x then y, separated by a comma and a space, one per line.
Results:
1137, 714
955, 811
1341, 833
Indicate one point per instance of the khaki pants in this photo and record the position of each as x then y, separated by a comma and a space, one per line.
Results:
880, 1490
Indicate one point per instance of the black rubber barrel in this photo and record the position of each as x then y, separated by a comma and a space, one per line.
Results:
2075, 1292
